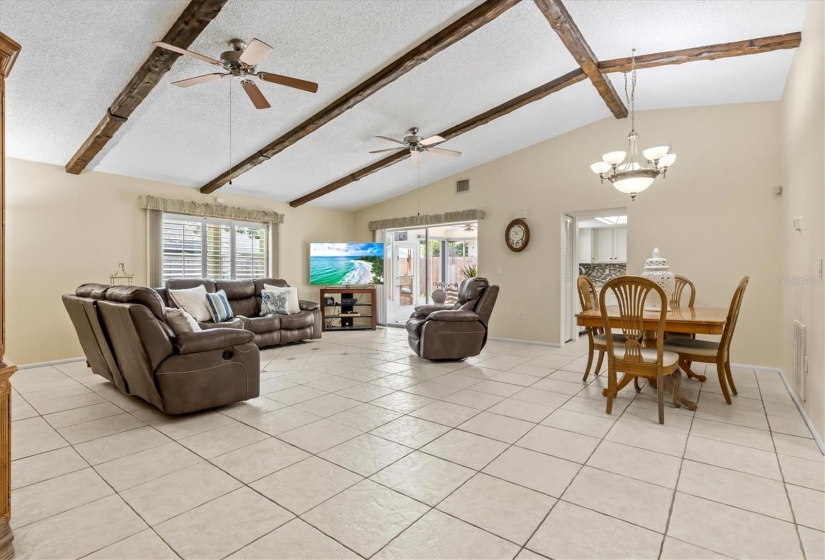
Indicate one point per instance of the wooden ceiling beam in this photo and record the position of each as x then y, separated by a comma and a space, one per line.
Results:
709, 52
192, 21
461, 28
499, 111
567, 30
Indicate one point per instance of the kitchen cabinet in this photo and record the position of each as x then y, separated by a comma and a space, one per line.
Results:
585, 245
609, 245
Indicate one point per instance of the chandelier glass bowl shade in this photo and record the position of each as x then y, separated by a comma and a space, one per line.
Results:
628, 172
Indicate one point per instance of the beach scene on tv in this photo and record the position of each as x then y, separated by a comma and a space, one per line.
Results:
345, 264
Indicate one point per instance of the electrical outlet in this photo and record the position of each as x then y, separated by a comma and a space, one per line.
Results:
797, 223
499, 271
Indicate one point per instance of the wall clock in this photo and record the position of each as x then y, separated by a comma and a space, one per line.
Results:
517, 235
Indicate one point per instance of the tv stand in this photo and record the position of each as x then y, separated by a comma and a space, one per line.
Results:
353, 309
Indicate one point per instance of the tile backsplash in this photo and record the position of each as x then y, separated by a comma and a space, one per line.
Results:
601, 273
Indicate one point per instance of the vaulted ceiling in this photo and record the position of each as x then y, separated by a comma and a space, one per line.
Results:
79, 54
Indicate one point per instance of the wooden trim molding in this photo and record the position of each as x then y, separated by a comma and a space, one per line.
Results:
191, 23
9, 49
499, 111
709, 52
567, 30
461, 28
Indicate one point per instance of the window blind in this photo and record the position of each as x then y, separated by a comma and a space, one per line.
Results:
195, 247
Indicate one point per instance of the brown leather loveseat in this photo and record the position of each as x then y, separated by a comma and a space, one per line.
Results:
438, 332
245, 300
125, 337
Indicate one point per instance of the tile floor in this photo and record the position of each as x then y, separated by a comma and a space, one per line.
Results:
357, 448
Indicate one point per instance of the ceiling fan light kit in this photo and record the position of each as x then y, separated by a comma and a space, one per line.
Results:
624, 168
241, 63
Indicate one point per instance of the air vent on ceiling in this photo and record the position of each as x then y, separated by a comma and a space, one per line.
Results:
462, 186
800, 359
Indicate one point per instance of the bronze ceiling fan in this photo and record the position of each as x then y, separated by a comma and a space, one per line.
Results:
241, 63
416, 145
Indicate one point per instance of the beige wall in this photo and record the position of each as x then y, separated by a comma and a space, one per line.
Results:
64, 230
803, 180
714, 217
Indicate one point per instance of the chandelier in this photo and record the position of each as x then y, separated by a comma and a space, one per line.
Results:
624, 169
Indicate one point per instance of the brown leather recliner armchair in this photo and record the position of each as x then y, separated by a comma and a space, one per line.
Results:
453, 333
125, 337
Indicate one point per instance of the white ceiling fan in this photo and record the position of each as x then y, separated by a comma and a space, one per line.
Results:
417, 145
241, 63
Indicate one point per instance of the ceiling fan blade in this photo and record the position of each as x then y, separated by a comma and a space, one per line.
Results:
392, 140
443, 152
382, 151
179, 50
311, 87
432, 140
199, 80
255, 52
416, 156
255, 95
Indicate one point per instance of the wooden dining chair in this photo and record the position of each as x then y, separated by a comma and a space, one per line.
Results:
632, 358
709, 352
589, 300
676, 303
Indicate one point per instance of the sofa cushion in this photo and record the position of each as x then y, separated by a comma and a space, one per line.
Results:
192, 300
242, 296
138, 294
91, 290
186, 283
219, 306
267, 323
299, 320
233, 323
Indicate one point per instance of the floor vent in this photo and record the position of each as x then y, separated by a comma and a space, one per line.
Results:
462, 186
800, 359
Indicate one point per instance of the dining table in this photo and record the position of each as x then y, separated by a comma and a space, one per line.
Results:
684, 320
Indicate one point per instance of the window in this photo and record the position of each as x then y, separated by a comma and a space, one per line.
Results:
196, 247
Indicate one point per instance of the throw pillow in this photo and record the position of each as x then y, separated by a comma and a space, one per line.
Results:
274, 301
292, 302
180, 321
193, 301
219, 306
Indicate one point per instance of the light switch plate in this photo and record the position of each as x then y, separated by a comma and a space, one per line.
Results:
499, 271
797, 223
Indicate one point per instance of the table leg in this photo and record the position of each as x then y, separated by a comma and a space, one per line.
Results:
685, 365
673, 383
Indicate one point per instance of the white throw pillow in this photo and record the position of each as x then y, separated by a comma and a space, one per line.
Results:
180, 321
292, 302
274, 301
193, 301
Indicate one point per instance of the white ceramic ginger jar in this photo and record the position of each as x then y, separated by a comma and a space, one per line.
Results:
657, 270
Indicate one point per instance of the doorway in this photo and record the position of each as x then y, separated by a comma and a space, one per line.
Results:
593, 243
426, 260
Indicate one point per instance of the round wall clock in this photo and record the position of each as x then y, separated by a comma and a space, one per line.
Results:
517, 235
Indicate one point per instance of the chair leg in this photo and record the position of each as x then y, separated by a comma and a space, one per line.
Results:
729, 376
723, 382
660, 389
589, 361
636, 385
599, 363
611, 388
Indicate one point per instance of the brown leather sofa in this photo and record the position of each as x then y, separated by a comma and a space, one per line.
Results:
245, 300
438, 332
125, 337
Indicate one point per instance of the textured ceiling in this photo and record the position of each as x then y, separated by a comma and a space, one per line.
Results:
68, 75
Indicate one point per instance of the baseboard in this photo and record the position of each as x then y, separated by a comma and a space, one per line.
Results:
794, 397
51, 363
521, 341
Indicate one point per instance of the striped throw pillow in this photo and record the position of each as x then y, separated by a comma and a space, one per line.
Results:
219, 306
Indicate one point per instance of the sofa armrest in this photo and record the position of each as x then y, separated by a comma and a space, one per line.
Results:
424, 310
212, 339
454, 316
305, 305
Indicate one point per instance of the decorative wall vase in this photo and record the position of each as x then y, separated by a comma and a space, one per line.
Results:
657, 270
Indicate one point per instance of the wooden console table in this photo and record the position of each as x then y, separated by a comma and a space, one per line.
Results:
359, 316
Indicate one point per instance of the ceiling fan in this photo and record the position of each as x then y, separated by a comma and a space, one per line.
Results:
241, 63
416, 145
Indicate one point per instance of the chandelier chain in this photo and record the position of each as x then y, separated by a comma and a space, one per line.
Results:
230, 132
631, 96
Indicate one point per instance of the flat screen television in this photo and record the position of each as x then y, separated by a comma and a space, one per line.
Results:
346, 264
